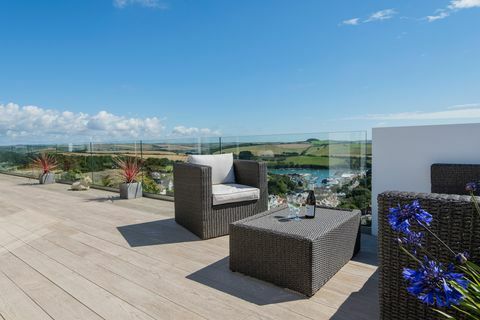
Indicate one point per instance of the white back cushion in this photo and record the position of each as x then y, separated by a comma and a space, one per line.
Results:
222, 166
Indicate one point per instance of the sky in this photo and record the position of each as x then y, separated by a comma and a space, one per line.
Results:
82, 70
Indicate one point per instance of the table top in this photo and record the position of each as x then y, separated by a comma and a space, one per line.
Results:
276, 221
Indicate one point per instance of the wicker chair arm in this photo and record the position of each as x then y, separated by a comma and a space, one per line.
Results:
193, 184
251, 173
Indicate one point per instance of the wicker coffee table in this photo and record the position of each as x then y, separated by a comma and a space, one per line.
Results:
299, 255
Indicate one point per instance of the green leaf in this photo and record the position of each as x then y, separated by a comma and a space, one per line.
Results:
447, 316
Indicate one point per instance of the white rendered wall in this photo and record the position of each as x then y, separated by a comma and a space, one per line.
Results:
402, 156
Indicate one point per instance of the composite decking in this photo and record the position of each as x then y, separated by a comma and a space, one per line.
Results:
87, 255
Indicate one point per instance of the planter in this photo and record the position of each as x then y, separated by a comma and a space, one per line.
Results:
47, 178
131, 190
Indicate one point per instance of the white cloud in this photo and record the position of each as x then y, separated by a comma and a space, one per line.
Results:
35, 124
441, 14
192, 131
454, 6
382, 15
467, 111
465, 106
155, 4
351, 22
464, 4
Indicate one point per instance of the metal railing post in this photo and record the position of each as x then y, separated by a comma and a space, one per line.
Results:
141, 159
91, 160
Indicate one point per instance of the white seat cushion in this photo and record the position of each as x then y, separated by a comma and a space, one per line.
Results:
229, 193
222, 166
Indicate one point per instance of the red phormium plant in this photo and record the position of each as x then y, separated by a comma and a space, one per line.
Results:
131, 168
46, 162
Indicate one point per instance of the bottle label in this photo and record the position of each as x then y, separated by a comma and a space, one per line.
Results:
310, 211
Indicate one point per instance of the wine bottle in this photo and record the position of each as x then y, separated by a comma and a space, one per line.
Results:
311, 203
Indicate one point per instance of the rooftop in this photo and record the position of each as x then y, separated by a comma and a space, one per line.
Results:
89, 255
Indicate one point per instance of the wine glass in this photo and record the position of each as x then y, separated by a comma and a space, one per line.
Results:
294, 201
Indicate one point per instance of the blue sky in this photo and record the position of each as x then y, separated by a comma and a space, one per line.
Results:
149, 69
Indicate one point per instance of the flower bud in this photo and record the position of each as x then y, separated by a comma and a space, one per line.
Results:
471, 187
462, 258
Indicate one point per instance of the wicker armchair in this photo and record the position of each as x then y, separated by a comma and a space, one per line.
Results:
455, 221
193, 197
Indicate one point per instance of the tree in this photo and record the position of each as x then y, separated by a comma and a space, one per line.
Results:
358, 198
280, 184
149, 185
246, 155
156, 164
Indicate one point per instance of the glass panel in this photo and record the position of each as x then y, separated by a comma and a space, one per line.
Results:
18, 159
104, 170
15, 159
73, 162
335, 165
158, 159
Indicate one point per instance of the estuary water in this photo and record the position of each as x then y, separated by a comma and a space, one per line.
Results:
313, 175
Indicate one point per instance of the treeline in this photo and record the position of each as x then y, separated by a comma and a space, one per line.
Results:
105, 162
15, 158
82, 163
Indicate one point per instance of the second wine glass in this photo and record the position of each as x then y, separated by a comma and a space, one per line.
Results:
294, 201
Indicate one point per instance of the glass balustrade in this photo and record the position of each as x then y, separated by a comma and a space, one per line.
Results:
336, 165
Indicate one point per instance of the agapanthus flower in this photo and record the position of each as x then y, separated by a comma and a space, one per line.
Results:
462, 258
412, 239
401, 218
471, 187
431, 283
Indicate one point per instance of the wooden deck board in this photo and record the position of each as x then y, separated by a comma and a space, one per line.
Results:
104, 258
44, 292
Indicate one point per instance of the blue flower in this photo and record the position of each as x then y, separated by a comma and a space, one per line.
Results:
462, 258
412, 239
431, 284
401, 218
471, 187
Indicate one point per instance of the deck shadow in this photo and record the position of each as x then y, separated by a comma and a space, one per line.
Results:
102, 199
165, 231
368, 252
218, 276
357, 302
33, 183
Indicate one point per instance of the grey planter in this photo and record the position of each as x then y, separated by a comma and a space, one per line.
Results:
131, 190
47, 178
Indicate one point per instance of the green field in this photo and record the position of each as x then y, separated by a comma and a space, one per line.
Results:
339, 149
262, 149
319, 148
316, 161
316, 153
